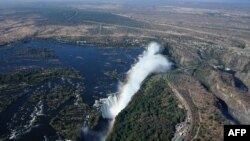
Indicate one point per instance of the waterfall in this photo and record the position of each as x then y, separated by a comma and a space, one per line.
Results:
151, 61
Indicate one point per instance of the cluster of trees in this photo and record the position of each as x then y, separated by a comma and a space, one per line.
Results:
25, 78
34, 75
59, 98
151, 115
114, 75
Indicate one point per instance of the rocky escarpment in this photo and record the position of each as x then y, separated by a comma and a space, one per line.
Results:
223, 85
224, 72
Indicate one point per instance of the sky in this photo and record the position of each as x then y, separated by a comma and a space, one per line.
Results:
226, 1
4, 3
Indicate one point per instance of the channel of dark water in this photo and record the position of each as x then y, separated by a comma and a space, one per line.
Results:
225, 111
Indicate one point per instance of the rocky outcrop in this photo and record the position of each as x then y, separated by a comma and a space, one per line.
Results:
222, 85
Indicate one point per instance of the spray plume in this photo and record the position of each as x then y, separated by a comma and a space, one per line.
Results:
151, 61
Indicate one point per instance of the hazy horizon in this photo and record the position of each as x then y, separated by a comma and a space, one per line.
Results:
135, 1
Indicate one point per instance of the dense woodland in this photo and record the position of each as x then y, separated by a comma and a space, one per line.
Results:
151, 115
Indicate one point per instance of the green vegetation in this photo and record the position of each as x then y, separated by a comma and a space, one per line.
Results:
211, 54
5, 100
201, 74
151, 115
33, 76
36, 53
65, 109
68, 121
113, 74
239, 43
59, 94
22, 79
94, 118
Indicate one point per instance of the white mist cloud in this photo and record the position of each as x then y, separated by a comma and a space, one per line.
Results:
151, 61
